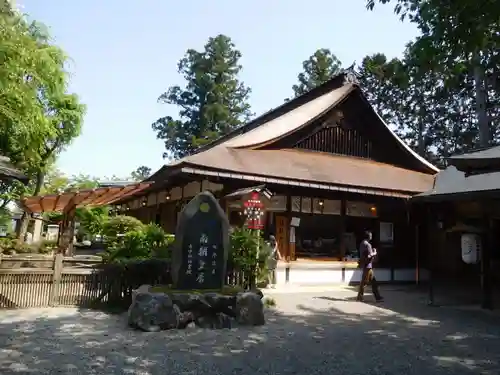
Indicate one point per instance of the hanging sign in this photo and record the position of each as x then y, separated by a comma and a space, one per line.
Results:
253, 209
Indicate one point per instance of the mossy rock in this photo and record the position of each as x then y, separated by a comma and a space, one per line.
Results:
226, 290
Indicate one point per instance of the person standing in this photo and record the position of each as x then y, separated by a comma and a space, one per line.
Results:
367, 255
272, 262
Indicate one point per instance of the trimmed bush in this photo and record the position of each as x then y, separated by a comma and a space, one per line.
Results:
115, 227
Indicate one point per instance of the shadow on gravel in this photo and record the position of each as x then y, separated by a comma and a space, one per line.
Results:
323, 336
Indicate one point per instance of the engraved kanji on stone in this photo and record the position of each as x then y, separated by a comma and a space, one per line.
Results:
203, 252
201, 265
203, 239
200, 278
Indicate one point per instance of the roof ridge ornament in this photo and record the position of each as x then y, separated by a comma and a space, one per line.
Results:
350, 75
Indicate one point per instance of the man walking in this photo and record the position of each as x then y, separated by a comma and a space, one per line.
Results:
367, 255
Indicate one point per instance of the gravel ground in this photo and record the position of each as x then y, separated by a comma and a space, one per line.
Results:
309, 333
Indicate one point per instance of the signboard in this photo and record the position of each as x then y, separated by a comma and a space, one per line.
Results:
202, 243
254, 211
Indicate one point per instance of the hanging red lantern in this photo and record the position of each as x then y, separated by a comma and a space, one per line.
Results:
254, 211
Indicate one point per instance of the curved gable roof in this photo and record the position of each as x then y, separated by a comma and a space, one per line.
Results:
290, 121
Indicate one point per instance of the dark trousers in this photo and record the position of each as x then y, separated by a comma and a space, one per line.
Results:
272, 276
368, 278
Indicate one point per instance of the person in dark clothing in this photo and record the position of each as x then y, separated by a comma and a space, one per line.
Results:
367, 255
272, 262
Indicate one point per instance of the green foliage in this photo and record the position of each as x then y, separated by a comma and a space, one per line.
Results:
116, 227
317, 69
457, 59
5, 218
213, 102
141, 173
145, 242
47, 246
12, 246
249, 253
92, 220
39, 117
269, 302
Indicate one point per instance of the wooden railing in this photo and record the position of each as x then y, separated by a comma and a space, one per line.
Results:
66, 281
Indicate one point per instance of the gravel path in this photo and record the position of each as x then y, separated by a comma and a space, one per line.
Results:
310, 333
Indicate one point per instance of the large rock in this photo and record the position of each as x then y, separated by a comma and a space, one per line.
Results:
142, 289
152, 312
221, 303
215, 321
249, 309
192, 302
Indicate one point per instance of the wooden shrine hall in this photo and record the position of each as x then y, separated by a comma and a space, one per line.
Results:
333, 168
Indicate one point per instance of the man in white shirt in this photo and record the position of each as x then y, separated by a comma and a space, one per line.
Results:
366, 256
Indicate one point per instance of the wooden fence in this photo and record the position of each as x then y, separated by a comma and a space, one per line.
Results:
67, 281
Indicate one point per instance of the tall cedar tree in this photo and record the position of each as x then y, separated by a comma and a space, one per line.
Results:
213, 102
459, 41
317, 69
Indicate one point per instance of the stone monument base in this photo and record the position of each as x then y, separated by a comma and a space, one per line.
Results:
161, 308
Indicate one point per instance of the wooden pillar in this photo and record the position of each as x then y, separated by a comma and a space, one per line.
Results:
486, 287
342, 228
430, 243
288, 249
417, 254
67, 232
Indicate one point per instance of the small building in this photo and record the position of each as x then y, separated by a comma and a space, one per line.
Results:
459, 225
334, 169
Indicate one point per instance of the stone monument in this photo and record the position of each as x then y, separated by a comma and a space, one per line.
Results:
201, 249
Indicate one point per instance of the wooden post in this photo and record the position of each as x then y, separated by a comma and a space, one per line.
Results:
430, 243
486, 288
417, 255
56, 279
343, 214
288, 254
67, 232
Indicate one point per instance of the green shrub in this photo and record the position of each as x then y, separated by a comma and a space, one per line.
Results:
150, 241
249, 252
269, 302
115, 227
6, 245
47, 246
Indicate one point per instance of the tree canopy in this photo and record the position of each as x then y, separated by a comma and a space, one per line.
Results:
459, 43
212, 103
39, 117
317, 69
141, 173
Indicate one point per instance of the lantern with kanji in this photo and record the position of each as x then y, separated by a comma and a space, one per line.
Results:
253, 209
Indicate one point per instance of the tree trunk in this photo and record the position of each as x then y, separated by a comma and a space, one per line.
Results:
25, 219
481, 100
421, 139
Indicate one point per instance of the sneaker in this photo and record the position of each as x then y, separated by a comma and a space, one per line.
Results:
381, 299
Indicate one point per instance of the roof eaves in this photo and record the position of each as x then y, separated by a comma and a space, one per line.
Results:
407, 148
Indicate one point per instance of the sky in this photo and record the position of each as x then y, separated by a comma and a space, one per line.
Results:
124, 54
